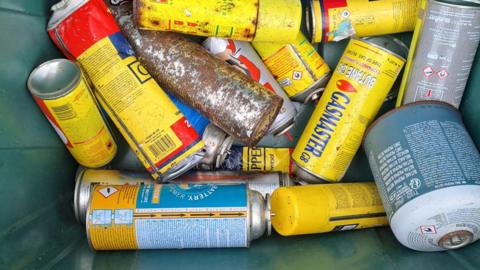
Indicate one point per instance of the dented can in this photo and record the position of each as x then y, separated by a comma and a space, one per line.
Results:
86, 179
175, 216
427, 170
162, 140
443, 50
329, 20
265, 183
326, 208
297, 66
239, 106
62, 93
352, 98
241, 55
258, 159
217, 142
266, 20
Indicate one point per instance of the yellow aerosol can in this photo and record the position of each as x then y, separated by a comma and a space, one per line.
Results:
326, 208
352, 98
297, 66
266, 20
62, 93
334, 20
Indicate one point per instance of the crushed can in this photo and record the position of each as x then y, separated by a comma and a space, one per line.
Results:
297, 66
258, 159
162, 140
236, 104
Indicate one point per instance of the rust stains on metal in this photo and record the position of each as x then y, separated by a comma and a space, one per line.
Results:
232, 101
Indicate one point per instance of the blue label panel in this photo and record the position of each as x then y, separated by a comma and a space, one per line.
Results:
234, 160
122, 45
192, 196
198, 121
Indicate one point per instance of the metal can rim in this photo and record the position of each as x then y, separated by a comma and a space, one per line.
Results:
321, 179
413, 104
76, 194
397, 41
309, 21
71, 7
379, 47
58, 93
460, 4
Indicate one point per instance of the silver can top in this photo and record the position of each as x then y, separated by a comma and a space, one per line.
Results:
259, 215
54, 78
81, 196
456, 239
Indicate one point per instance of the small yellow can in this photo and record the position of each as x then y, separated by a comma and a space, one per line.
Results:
266, 20
63, 94
352, 98
297, 66
329, 20
326, 208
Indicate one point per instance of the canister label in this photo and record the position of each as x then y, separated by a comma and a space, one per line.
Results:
262, 159
236, 19
353, 204
296, 66
92, 145
148, 120
258, 159
427, 156
344, 18
444, 48
168, 216
352, 98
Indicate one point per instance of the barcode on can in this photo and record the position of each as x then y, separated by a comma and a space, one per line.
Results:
161, 146
64, 112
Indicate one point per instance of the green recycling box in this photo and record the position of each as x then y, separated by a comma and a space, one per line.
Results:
38, 229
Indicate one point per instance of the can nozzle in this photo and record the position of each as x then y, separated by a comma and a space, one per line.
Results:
457, 239
60, 5
315, 95
268, 215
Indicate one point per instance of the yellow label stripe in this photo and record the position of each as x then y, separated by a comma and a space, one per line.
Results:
167, 215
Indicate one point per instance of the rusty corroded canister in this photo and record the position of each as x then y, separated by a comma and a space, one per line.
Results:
238, 105
265, 20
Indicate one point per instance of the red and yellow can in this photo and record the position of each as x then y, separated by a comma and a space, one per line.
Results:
152, 125
364, 76
63, 94
266, 20
297, 66
334, 20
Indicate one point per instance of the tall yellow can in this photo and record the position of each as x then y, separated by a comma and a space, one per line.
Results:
326, 208
65, 98
334, 20
297, 66
266, 20
355, 93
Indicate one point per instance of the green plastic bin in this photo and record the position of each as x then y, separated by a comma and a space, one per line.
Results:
37, 225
